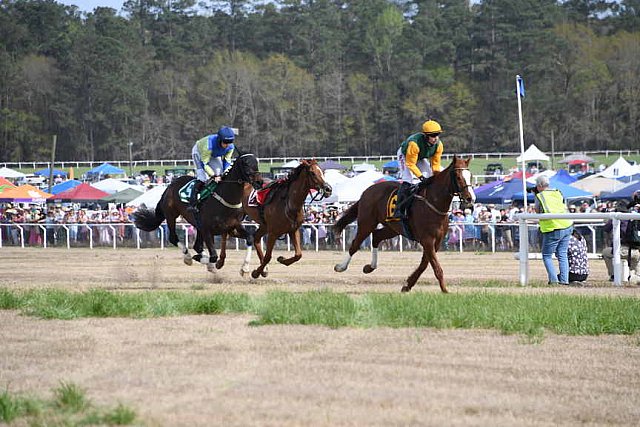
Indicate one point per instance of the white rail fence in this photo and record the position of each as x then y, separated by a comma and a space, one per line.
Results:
615, 217
476, 237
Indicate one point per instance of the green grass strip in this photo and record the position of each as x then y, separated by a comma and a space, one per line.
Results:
527, 314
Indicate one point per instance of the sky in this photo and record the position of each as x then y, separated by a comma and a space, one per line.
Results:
90, 5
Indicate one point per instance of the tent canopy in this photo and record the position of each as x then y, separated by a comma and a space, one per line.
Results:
5, 184
331, 164
532, 153
105, 169
10, 173
577, 158
625, 192
500, 192
47, 172
80, 193
24, 194
618, 169
150, 198
124, 196
598, 184
112, 185
64, 186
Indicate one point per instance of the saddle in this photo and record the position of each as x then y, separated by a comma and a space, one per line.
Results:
392, 202
259, 197
187, 189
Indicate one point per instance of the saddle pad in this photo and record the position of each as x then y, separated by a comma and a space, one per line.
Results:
391, 207
258, 197
185, 191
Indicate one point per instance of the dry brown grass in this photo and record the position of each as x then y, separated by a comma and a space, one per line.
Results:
217, 370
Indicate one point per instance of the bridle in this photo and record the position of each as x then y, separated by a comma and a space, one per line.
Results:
456, 190
244, 176
320, 192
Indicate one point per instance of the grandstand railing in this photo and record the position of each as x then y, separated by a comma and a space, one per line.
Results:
462, 237
125, 164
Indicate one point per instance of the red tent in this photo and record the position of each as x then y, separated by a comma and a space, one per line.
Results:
5, 184
80, 193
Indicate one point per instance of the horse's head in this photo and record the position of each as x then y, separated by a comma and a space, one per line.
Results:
249, 171
315, 177
461, 179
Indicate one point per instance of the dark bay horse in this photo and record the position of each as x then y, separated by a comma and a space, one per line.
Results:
427, 217
283, 213
219, 214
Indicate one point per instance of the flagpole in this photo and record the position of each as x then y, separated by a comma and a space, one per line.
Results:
524, 183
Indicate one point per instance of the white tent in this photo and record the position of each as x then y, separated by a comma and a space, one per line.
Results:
334, 177
533, 154
291, 164
10, 173
618, 169
363, 167
150, 199
112, 186
351, 189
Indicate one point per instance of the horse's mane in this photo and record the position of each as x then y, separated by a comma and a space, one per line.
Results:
291, 176
424, 184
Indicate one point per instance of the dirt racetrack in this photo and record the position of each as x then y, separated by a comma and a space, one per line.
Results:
217, 370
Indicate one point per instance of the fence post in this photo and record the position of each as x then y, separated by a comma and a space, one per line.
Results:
524, 251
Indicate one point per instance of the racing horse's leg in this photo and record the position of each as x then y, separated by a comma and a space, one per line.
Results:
173, 238
264, 260
364, 229
223, 251
295, 236
198, 247
210, 261
257, 244
428, 257
379, 235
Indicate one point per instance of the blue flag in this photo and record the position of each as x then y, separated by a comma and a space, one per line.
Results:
521, 87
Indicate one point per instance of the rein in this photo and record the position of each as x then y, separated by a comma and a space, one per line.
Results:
232, 181
456, 190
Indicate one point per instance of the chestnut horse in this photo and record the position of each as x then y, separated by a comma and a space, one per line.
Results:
283, 213
428, 219
219, 214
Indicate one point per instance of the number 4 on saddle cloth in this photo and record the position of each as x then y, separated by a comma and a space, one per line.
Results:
187, 189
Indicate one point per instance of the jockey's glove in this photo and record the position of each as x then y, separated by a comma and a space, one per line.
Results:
422, 178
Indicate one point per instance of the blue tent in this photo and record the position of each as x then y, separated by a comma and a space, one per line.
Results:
64, 186
562, 177
47, 172
625, 192
500, 192
391, 164
105, 169
567, 191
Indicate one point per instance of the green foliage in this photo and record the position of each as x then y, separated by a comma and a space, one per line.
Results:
523, 314
314, 78
69, 406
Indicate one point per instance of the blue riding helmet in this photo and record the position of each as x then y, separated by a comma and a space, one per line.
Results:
226, 135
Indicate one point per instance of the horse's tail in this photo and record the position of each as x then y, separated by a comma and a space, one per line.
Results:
347, 218
147, 220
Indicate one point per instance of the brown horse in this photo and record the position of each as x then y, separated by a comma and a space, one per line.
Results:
220, 214
283, 213
428, 219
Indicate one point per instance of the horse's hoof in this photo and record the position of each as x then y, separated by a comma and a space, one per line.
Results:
405, 288
219, 264
211, 268
197, 257
281, 260
255, 274
338, 268
264, 273
188, 260
367, 269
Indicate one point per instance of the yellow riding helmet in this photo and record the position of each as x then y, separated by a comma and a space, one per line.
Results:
431, 126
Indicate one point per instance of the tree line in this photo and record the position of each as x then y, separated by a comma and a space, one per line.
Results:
315, 77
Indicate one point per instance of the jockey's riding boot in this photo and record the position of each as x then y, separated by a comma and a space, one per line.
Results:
401, 202
193, 198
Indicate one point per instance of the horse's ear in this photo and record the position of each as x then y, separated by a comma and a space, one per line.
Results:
469, 160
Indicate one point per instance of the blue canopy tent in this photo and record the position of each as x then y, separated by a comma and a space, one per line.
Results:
47, 172
391, 164
567, 191
625, 192
64, 186
500, 192
562, 177
105, 169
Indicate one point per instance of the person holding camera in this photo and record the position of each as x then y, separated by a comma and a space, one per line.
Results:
555, 232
